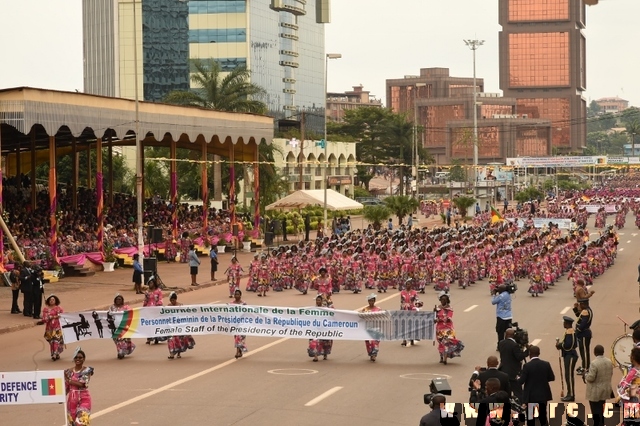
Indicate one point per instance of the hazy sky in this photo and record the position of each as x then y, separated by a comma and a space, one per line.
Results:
41, 43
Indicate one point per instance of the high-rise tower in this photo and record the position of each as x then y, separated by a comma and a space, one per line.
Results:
543, 65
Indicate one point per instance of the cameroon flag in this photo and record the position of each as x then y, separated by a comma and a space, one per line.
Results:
52, 387
495, 215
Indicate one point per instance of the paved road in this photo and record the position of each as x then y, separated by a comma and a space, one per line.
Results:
276, 382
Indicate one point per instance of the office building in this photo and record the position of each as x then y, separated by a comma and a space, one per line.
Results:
443, 107
278, 40
612, 105
338, 103
543, 65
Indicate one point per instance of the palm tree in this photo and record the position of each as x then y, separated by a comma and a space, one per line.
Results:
401, 205
398, 133
233, 92
633, 129
376, 215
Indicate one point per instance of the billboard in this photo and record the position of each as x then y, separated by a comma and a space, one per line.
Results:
494, 173
568, 161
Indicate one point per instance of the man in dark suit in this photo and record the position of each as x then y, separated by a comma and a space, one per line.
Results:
511, 357
493, 399
535, 377
493, 372
437, 411
26, 287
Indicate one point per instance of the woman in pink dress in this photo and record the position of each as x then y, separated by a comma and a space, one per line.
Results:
76, 381
409, 302
316, 346
233, 273
239, 341
322, 283
448, 345
264, 279
53, 332
372, 346
123, 346
178, 344
153, 297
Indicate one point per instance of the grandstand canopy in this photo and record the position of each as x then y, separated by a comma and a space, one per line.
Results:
29, 116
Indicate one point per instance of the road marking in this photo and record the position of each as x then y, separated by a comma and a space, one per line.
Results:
628, 241
292, 371
621, 249
634, 235
419, 376
536, 342
200, 374
620, 233
565, 310
327, 394
470, 308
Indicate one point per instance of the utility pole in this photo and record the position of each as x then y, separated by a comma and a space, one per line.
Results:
301, 156
474, 45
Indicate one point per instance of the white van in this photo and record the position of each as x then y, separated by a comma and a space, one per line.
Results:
442, 175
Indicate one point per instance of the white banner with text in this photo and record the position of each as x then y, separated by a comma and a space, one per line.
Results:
265, 321
32, 387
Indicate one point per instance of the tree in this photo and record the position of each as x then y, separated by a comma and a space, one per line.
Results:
123, 177
593, 109
456, 172
376, 215
401, 205
233, 92
632, 128
528, 194
273, 185
463, 204
399, 136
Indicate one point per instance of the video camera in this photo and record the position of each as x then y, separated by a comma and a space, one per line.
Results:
437, 386
511, 288
520, 335
474, 377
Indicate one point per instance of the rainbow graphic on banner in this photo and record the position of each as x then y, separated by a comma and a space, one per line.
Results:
128, 325
52, 387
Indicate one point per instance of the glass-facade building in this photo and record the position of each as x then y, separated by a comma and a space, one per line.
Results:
283, 47
443, 106
543, 64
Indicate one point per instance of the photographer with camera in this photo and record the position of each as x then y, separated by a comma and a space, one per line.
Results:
502, 300
512, 354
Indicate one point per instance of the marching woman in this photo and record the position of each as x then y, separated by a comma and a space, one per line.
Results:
317, 346
153, 297
448, 345
76, 381
239, 340
409, 302
372, 345
233, 273
53, 332
263, 276
322, 283
123, 346
178, 344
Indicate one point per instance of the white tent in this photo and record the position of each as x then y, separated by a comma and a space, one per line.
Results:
315, 197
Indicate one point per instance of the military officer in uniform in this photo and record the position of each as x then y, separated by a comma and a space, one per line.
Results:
567, 346
583, 332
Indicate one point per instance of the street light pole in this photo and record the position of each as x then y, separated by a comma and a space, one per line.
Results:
326, 143
415, 159
139, 171
474, 45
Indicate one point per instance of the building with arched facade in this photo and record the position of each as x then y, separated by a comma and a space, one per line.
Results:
340, 160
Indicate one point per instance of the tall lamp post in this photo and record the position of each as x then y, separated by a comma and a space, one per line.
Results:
474, 45
326, 144
415, 163
139, 165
